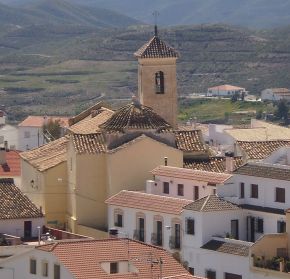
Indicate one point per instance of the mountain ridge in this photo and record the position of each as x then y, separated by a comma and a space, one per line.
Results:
62, 12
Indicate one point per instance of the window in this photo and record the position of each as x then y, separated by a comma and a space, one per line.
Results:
190, 226
180, 189
33, 266
119, 220
281, 226
242, 190
210, 274
254, 191
232, 276
166, 187
159, 82
45, 269
196, 192
280, 194
235, 229
282, 252
56, 271
259, 225
114, 267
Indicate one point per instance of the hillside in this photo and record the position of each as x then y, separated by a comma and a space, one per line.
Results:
247, 13
47, 12
250, 13
60, 69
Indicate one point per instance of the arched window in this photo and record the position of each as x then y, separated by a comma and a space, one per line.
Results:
159, 82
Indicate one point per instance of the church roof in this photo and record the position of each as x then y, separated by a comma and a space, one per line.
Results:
135, 116
89, 143
156, 48
190, 141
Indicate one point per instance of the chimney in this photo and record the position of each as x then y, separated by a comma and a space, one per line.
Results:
113, 233
165, 161
2, 156
45, 120
94, 113
229, 161
150, 185
6, 145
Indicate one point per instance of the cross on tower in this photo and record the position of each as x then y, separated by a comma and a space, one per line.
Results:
155, 14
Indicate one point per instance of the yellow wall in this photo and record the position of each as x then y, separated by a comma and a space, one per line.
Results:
49, 192
129, 167
55, 195
99, 176
35, 194
91, 232
267, 245
163, 104
87, 183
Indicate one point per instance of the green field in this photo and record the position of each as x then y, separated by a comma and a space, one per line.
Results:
218, 110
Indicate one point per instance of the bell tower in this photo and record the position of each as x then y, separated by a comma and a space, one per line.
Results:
157, 78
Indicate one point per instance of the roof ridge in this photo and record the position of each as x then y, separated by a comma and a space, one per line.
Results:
205, 202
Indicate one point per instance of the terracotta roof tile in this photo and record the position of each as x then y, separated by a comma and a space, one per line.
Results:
48, 155
257, 150
156, 48
212, 164
14, 204
280, 90
190, 141
91, 123
135, 116
12, 166
261, 131
89, 143
226, 87
264, 170
239, 249
149, 202
211, 203
198, 175
84, 258
38, 121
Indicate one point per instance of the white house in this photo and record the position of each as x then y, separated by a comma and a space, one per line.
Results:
30, 130
90, 259
153, 219
184, 183
275, 94
225, 90
207, 223
18, 215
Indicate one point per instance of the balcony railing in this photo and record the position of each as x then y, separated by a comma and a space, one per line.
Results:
174, 242
156, 239
281, 264
139, 235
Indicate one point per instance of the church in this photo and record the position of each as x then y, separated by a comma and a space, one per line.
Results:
108, 151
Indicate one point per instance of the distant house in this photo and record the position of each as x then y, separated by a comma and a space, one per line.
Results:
275, 94
30, 132
8, 133
225, 90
